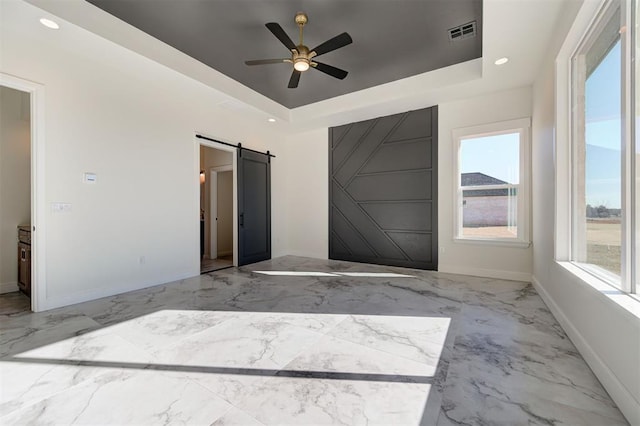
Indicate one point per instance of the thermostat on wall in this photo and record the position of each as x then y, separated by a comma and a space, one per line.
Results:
90, 178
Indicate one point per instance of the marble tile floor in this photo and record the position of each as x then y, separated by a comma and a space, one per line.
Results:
303, 342
211, 265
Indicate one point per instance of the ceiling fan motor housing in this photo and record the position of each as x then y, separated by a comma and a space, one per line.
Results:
301, 58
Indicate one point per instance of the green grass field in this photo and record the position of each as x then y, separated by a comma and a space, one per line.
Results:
604, 240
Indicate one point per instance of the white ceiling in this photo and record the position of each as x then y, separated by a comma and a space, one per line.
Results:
518, 29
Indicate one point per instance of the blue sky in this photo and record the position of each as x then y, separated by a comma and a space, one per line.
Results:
603, 131
497, 156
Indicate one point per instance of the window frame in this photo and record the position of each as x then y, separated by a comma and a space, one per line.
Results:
578, 146
633, 70
567, 133
522, 126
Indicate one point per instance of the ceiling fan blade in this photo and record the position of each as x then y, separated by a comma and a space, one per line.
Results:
277, 31
335, 43
266, 61
328, 69
294, 80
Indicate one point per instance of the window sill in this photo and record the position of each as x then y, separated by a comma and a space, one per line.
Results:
494, 242
626, 301
599, 273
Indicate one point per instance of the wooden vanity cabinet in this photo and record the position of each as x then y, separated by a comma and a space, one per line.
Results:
24, 259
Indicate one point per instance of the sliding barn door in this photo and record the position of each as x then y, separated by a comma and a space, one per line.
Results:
383, 190
254, 207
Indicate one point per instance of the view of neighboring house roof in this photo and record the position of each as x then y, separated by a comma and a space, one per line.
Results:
479, 179
476, 178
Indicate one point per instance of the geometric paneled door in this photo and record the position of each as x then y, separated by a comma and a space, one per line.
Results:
383, 190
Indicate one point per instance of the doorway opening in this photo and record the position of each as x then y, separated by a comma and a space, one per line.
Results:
217, 236
15, 200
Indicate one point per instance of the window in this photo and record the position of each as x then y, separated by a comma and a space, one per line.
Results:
603, 189
492, 183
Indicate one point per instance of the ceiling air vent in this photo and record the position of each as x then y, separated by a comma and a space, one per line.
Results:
463, 31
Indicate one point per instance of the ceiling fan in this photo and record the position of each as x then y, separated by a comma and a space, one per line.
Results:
301, 56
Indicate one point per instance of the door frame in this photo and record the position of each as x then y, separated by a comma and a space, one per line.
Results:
197, 186
38, 200
213, 207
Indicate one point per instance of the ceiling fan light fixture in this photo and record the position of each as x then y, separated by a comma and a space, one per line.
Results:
301, 64
302, 57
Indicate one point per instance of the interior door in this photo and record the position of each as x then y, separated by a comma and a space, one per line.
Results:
383, 190
254, 207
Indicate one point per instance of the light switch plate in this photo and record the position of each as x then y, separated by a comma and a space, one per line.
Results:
90, 178
61, 207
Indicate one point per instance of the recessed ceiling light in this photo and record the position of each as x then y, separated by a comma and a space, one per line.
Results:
49, 23
271, 120
501, 61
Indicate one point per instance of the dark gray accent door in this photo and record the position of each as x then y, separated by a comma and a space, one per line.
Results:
383, 190
254, 207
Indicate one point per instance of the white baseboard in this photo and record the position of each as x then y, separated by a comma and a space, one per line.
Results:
59, 302
8, 287
488, 273
618, 392
321, 255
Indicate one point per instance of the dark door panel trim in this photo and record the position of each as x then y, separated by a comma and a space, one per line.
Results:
254, 207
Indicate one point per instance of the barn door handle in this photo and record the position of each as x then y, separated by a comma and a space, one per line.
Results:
241, 219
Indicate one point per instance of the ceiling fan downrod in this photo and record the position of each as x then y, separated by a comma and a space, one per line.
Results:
301, 55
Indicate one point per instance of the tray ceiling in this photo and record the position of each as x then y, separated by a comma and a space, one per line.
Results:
391, 39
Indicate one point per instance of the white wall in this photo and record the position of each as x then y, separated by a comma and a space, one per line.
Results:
464, 257
132, 122
15, 180
307, 159
308, 173
225, 213
606, 334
